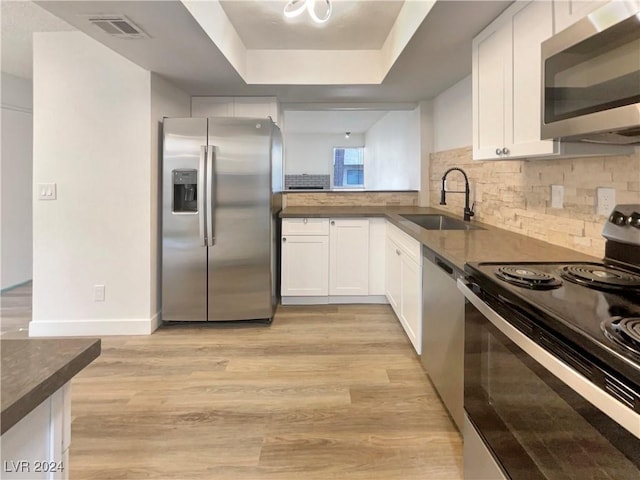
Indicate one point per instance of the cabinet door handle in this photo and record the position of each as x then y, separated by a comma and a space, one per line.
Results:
505, 151
498, 151
284, 239
333, 222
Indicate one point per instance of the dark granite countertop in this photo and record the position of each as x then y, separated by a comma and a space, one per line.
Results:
491, 244
34, 368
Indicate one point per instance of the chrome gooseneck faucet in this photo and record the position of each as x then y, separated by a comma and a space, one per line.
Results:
468, 212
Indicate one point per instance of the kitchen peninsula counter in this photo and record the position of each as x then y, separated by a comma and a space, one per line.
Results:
491, 244
33, 369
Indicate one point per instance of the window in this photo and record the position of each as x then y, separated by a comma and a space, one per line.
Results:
348, 167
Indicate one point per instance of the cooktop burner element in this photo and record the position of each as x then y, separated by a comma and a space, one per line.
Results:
601, 277
625, 332
528, 277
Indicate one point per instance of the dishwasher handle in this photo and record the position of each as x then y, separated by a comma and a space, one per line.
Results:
444, 266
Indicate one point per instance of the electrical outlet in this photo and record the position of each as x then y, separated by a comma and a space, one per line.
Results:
557, 196
47, 191
606, 200
98, 293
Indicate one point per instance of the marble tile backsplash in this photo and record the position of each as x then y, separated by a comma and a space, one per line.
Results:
516, 194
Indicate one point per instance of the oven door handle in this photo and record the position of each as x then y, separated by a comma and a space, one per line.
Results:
619, 412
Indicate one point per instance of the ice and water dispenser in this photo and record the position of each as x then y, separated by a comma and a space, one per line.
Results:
185, 191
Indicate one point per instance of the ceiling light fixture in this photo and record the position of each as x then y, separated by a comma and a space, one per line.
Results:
347, 134
296, 7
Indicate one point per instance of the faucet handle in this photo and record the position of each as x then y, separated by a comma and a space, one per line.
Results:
469, 212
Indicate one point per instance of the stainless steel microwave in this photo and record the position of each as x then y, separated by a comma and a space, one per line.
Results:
591, 78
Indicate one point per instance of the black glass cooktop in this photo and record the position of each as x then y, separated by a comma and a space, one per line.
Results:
568, 299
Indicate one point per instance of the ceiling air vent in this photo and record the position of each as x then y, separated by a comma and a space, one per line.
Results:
117, 26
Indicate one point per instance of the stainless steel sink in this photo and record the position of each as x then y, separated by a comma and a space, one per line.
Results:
440, 222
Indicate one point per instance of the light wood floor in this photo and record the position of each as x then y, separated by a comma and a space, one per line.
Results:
15, 311
332, 392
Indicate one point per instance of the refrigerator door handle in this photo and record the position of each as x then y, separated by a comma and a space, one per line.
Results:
210, 208
201, 195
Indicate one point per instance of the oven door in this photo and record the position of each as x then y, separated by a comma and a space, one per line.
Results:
534, 425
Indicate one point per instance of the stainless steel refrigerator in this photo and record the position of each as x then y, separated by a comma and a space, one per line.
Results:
221, 194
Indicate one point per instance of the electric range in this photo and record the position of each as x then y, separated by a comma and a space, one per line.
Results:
593, 305
552, 362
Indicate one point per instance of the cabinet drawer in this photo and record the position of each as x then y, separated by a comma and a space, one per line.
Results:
305, 226
408, 244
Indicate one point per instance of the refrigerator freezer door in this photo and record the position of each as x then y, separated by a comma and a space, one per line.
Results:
184, 256
239, 261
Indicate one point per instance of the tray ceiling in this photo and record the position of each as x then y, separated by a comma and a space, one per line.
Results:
181, 49
354, 25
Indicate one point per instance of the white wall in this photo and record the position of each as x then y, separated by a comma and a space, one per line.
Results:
91, 137
426, 148
453, 117
312, 153
392, 152
167, 100
16, 167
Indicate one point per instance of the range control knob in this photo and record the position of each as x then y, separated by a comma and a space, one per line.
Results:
618, 218
634, 220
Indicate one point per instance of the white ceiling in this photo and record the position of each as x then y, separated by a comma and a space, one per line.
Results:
354, 25
342, 121
19, 20
438, 54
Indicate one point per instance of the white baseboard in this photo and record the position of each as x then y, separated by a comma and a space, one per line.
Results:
93, 328
155, 322
304, 300
335, 299
359, 299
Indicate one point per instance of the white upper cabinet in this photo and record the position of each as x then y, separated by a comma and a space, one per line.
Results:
491, 80
531, 26
507, 93
506, 84
568, 12
258, 107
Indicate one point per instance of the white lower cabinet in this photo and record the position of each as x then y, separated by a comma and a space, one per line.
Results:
349, 256
411, 301
377, 248
404, 283
337, 260
305, 265
393, 275
37, 447
353, 260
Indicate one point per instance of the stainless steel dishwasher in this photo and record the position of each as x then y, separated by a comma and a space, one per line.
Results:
443, 331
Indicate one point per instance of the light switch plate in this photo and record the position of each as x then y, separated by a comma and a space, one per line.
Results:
606, 200
47, 191
98, 293
557, 196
